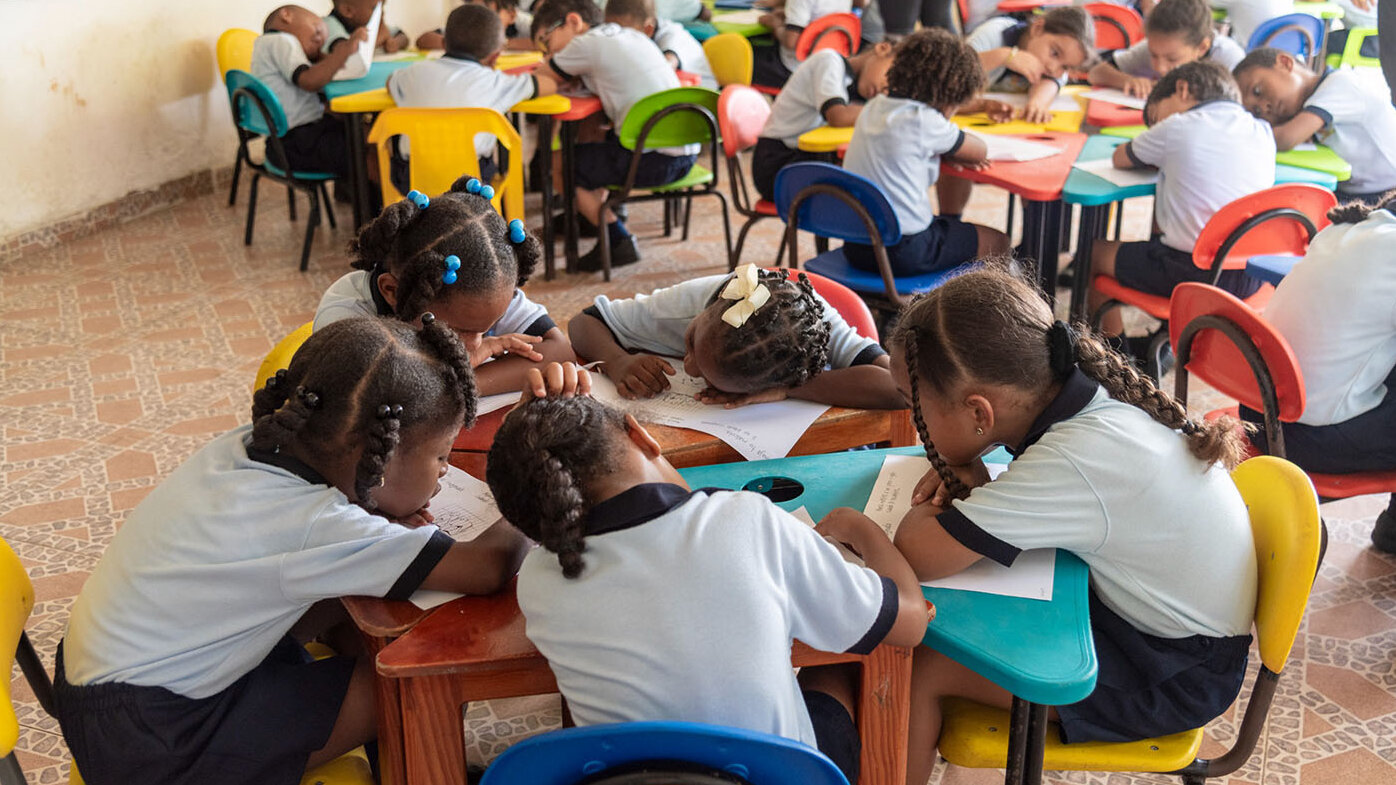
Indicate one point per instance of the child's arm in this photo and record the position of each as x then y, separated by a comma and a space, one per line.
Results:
433, 39
389, 41
881, 556
1297, 130
1019, 61
635, 375
507, 373
868, 386
843, 115
547, 85
1040, 96
972, 153
482, 566
314, 78
1107, 75
998, 111
928, 548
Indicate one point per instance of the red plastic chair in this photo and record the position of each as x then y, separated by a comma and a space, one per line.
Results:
840, 32
1116, 26
1228, 345
844, 300
741, 114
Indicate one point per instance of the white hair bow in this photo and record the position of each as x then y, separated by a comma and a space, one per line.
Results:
746, 288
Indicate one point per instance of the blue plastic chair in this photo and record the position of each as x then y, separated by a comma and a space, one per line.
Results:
703, 753
1299, 34
833, 202
257, 112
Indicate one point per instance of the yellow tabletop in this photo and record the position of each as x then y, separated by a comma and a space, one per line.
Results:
1061, 121
510, 60
379, 100
825, 139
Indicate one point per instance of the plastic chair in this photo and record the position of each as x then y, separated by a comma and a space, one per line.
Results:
1352, 50
257, 112
1285, 525
234, 50
840, 32
279, 358
443, 148
1278, 220
670, 118
1299, 34
741, 114
1116, 26
842, 299
730, 57
690, 752
1229, 346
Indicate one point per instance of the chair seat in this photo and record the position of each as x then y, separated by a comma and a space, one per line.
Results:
698, 175
312, 176
766, 207
1156, 306
976, 736
833, 264
760, 88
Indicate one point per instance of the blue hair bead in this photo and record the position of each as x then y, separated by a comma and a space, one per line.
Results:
418, 198
487, 191
452, 264
516, 231
473, 186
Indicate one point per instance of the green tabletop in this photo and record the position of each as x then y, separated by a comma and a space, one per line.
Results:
744, 29
1320, 10
1319, 159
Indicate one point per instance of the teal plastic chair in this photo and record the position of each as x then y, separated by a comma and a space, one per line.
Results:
258, 113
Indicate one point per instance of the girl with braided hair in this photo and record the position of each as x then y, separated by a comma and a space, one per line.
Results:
457, 258
653, 601
753, 335
179, 656
1107, 467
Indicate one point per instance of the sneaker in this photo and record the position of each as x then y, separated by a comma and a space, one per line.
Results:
623, 253
1384, 532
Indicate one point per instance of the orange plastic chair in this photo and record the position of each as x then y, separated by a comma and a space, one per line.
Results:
840, 32
843, 299
1116, 26
741, 114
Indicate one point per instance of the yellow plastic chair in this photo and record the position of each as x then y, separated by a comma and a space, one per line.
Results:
1352, 50
731, 58
280, 355
443, 148
1286, 527
234, 50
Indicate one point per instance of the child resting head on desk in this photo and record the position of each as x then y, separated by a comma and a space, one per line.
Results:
788, 343
184, 651
457, 258
1178, 32
652, 601
1108, 467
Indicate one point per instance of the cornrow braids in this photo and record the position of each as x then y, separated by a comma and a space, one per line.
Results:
1357, 212
935, 67
954, 486
544, 456
784, 344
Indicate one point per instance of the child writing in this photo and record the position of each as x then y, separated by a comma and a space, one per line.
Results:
1347, 109
898, 141
643, 585
177, 657
679, 46
792, 344
455, 257
773, 65
1107, 467
1178, 32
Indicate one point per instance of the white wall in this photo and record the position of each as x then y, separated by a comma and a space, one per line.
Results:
98, 99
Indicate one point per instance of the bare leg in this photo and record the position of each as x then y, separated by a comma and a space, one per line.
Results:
992, 242
355, 725
589, 205
838, 681
935, 676
952, 194
1103, 263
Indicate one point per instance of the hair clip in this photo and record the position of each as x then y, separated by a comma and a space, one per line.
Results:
274, 381
746, 288
487, 191
418, 198
472, 186
452, 264
307, 397
516, 231
389, 410
1062, 352
428, 318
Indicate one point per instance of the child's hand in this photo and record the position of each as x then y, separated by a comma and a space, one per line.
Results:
712, 396
417, 519
932, 489
998, 111
852, 528
358, 36
639, 375
1023, 62
1035, 113
1138, 86
563, 380
771, 20
498, 345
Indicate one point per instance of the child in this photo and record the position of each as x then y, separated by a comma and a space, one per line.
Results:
773, 65
1347, 109
404, 269
177, 665
1208, 153
515, 23
683, 10
816, 94
1179, 31
1103, 471
620, 66
287, 58
898, 142
679, 46
652, 601
1336, 310
795, 345
350, 15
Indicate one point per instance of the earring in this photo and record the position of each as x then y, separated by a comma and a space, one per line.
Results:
979, 431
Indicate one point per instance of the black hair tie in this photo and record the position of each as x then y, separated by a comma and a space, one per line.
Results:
428, 318
308, 397
1061, 348
389, 410
274, 381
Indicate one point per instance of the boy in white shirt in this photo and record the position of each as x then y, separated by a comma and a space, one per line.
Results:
350, 15
679, 46
774, 64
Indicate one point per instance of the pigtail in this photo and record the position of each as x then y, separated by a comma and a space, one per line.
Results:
380, 440
1350, 213
376, 244
528, 253
448, 348
814, 328
954, 486
419, 283
270, 396
271, 431
561, 506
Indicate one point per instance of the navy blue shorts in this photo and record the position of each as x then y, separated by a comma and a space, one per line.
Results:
600, 164
1148, 686
768, 157
259, 731
767, 69
320, 146
835, 733
946, 243
1362, 444
1155, 268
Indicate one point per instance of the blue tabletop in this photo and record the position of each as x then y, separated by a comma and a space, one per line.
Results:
377, 77
1040, 651
1271, 269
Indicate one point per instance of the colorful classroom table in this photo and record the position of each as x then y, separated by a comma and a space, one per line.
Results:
826, 139
741, 28
1103, 114
1271, 269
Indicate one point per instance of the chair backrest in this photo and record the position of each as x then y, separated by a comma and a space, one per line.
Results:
840, 32
843, 299
256, 108
442, 143
1352, 50
1299, 34
234, 50
741, 114
731, 58
674, 117
1116, 26
14, 612
565, 757
1278, 220
838, 203
279, 358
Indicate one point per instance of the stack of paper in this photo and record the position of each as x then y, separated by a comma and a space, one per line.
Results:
1013, 148
748, 17
1112, 96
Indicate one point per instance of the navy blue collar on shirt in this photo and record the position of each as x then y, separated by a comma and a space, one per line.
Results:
291, 464
634, 506
380, 303
1077, 391
459, 56
1014, 34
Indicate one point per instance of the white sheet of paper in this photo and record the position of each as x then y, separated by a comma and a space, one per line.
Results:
1106, 170
493, 403
1010, 148
1031, 576
464, 509
1304, 147
758, 431
356, 67
1112, 96
890, 499
751, 16
1062, 103
803, 514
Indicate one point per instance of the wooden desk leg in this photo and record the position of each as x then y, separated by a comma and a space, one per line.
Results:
884, 711
434, 731
389, 715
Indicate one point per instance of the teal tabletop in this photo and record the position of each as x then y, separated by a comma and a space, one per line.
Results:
1086, 189
377, 77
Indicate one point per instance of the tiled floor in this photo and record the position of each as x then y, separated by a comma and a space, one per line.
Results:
123, 352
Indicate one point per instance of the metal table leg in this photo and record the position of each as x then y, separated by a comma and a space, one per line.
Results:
545, 143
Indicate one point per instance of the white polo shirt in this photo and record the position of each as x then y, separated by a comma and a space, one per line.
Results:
656, 322
998, 32
1167, 538
1337, 309
220, 560
353, 295
672, 37
1359, 123
451, 81
686, 608
277, 59
1134, 61
897, 143
822, 81
799, 14
1212, 154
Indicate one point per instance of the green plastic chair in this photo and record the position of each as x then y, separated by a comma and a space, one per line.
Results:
671, 118
1352, 50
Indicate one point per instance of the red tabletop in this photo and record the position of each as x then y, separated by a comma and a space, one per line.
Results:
583, 106
1038, 181
1027, 6
1103, 114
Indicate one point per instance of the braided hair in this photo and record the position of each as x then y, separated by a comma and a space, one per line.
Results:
545, 455
989, 326
412, 243
365, 380
784, 344
1357, 212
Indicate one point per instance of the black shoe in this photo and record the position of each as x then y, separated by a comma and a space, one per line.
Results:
585, 228
1384, 532
1137, 347
342, 194
623, 253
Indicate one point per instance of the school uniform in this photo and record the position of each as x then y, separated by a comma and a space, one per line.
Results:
356, 294
314, 141
674, 39
176, 665
822, 82
1134, 61
1207, 156
773, 65
897, 143
686, 608
337, 29
1168, 542
996, 33
656, 322
1359, 124
621, 66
